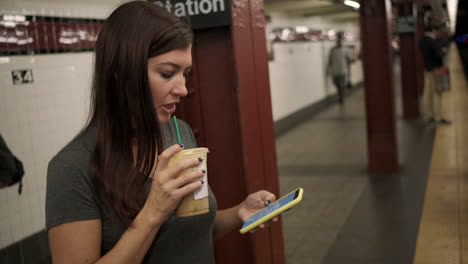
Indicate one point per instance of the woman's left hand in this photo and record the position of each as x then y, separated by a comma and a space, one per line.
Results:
255, 202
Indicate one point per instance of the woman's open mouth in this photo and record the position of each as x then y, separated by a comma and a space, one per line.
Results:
169, 108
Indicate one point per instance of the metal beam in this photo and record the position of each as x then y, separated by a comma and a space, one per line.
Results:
333, 9
285, 6
343, 16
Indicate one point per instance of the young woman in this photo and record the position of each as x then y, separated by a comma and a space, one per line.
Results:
110, 199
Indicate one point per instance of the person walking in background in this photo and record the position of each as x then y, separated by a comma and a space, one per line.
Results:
433, 65
338, 61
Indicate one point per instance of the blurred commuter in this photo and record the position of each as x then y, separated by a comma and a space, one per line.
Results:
338, 65
433, 66
443, 41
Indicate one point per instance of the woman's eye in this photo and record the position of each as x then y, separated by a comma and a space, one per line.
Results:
167, 75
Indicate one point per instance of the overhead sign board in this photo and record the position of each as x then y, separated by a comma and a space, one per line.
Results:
201, 13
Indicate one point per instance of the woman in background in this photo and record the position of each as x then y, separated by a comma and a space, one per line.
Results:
109, 199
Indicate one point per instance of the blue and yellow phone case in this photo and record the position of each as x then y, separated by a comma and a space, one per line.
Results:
273, 213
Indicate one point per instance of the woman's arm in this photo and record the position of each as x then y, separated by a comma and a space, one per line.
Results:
229, 219
226, 221
80, 242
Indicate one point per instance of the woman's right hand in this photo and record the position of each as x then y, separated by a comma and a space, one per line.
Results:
167, 189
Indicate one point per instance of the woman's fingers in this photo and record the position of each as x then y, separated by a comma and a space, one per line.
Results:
262, 226
264, 198
165, 174
171, 184
187, 164
183, 173
186, 178
269, 196
183, 191
166, 155
173, 172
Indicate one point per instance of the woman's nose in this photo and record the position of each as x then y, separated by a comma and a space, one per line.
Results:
181, 89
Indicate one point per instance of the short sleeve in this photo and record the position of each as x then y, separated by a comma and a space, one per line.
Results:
69, 195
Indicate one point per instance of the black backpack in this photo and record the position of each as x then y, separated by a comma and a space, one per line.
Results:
11, 168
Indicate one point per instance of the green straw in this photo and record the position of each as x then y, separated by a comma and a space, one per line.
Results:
177, 129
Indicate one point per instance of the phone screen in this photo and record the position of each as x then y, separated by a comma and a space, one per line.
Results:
274, 206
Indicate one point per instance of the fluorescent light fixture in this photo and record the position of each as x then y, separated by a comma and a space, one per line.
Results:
452, 10
4, 60
17, 18
25, 41
8, 24
68, 40
20, 18
353, 4
302, 29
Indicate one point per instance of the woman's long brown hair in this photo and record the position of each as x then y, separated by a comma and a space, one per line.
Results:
122, 109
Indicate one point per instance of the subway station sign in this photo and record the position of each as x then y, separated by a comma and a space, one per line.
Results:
201, 13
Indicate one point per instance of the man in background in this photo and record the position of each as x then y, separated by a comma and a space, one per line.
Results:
433, 63
338, 62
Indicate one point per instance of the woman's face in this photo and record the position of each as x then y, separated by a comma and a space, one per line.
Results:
167, 74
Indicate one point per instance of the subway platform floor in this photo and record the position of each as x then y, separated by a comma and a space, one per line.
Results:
351, 216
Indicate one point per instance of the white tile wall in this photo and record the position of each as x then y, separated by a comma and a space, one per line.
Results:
36, 120
63, 8
297, 73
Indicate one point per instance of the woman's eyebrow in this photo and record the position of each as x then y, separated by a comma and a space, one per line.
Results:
176, 66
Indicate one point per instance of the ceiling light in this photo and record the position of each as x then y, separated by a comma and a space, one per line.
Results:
353, 4
16, 18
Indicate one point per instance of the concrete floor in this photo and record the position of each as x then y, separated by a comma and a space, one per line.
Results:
348, 215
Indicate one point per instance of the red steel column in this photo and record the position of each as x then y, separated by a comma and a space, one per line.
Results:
409, 73
229, 109
375, 16
419, 59
251, 62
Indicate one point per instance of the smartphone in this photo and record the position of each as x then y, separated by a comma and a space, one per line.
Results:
272, 210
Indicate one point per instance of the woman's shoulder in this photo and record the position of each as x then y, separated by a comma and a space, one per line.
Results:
69, 194
77, 153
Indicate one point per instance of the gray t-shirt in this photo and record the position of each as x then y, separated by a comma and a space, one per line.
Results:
70, 197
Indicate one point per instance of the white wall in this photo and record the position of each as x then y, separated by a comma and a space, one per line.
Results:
38, 119
297, 72
62, 8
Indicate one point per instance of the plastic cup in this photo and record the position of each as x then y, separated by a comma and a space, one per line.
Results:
197, 202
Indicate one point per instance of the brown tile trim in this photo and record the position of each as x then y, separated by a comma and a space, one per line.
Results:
27, 35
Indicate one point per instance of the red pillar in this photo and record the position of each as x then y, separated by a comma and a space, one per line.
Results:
251, 57
419, 59
229, 109
408, 56
375, 17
